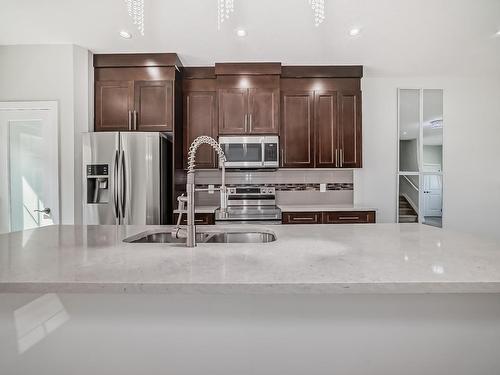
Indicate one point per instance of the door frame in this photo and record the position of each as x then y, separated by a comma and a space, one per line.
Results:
420, 171
52, 106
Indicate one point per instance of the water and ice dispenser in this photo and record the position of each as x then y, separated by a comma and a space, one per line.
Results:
97, 183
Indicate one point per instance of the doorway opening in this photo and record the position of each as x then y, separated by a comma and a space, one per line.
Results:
29, 172
420, 156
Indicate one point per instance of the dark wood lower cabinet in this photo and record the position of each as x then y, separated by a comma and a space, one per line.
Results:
302, 218
199, 219
332, 217
349, 217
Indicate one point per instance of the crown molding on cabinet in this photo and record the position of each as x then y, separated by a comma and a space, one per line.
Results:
127, 60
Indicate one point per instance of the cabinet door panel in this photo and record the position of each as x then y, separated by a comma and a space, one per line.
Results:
263, 111
297, 132
302, 218
153, 102
326, 124
113, 101
350, 129
200, 118
349, 217
233, 109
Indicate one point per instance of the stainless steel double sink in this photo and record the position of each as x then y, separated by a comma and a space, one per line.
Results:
233, 236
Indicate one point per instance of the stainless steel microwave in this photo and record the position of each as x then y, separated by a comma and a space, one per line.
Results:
252, 152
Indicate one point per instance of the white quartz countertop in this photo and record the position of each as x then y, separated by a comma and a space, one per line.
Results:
371, 258
325, 207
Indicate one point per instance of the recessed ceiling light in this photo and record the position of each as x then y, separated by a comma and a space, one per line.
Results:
497, 33
241, 32
354, 31
125, 34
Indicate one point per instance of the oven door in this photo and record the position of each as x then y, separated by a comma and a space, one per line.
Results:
243, 152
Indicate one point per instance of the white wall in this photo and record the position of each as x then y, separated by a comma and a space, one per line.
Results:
471, 156
433, 154
53, 72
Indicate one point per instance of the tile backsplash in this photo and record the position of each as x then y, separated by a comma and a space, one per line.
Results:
280, 176
293, 186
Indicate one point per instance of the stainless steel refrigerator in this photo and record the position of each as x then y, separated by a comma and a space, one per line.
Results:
127, 178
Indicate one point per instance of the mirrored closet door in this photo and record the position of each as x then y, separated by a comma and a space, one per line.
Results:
420, 156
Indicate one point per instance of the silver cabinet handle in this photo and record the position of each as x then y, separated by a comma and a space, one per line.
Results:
45, 211
341, 157
348, 217
303, 218
282, 158
129, 120
136, 119
250, 122
246, 122
336, 157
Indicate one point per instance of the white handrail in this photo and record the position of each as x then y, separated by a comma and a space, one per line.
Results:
411, 182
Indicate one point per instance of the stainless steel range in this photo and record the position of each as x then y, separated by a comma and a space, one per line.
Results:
250, 205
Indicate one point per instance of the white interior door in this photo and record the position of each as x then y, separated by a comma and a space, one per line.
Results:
433, 195
29, 172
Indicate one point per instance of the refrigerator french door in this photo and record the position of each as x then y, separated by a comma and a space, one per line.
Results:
127, 178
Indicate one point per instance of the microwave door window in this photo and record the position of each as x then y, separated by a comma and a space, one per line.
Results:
243, 152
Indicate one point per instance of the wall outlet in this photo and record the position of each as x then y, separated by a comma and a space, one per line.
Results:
211, 189
322, 188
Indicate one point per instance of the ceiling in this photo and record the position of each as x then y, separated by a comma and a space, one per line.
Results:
398, 37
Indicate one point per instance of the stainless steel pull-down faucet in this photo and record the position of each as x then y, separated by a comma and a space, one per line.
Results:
190, 232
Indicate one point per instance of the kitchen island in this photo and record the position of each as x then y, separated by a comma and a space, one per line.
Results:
322, 299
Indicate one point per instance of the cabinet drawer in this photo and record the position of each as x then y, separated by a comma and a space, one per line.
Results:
349, 217
199, 219
302, 218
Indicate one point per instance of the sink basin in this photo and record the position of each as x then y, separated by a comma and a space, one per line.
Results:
240, 237
160, 236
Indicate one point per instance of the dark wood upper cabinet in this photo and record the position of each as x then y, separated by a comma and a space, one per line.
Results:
233, 111
326, 125
297, 130
135, 92
113, 105
248, 111
263, 111
153, 103
200, 118
350, 129
331, 137
248, 98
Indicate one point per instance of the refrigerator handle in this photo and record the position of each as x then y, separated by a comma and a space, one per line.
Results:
115, 184
123, 184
